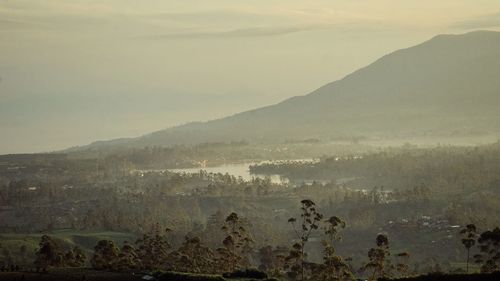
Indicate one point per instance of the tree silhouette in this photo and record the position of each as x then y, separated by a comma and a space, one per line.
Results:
48, 254
272, 260
237, 244
105, 255
402, 266
489, 246
193, 256
153, 248
128, 258
309, 221
468, 239
75, 257
334, 267
379, 258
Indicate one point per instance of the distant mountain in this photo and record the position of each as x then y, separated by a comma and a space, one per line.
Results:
447, 85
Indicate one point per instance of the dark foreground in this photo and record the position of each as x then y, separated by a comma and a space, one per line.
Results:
73, 275
452, 277
91, 275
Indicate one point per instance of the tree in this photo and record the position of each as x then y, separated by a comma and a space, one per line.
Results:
468, 239
48, 254
266, 258
153, 248
489, 246
237, 245
272, 259
334, 267
105, 255
294, 262
75, 257
212, 234
402, 264
379, 258
193, 256
309, 222
128, 258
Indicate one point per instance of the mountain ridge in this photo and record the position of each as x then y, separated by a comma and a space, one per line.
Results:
445, 83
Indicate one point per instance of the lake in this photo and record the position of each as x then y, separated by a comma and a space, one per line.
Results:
237, 170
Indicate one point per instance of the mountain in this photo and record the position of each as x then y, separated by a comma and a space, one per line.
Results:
447, 85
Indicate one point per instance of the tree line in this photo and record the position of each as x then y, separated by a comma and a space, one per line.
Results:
153, 251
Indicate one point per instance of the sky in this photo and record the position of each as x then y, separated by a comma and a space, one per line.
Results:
73, 72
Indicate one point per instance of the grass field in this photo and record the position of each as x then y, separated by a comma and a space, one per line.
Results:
67, 239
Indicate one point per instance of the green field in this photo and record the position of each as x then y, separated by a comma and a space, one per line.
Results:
12, 243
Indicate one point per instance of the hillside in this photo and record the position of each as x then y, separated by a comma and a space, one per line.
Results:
445, 86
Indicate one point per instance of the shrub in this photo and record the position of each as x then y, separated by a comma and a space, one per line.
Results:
178, 276
248, 273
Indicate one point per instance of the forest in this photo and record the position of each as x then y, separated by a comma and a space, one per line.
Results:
378, 213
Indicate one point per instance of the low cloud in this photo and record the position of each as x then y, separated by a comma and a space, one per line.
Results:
241, 33
486, 21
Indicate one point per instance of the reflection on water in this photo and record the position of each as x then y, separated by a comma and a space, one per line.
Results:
237, 170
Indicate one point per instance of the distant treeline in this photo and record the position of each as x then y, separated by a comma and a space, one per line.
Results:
184, 156
446, 169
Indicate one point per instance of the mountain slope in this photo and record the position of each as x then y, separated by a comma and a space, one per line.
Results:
448, 84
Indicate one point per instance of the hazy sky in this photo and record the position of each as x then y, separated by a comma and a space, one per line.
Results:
77, 71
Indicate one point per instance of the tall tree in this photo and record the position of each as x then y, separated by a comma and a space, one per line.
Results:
153, 248
193, 256
334, 267
237, 244
379, 258
469, 234
309, 221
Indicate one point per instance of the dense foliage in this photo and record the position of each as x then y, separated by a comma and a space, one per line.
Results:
213, 223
